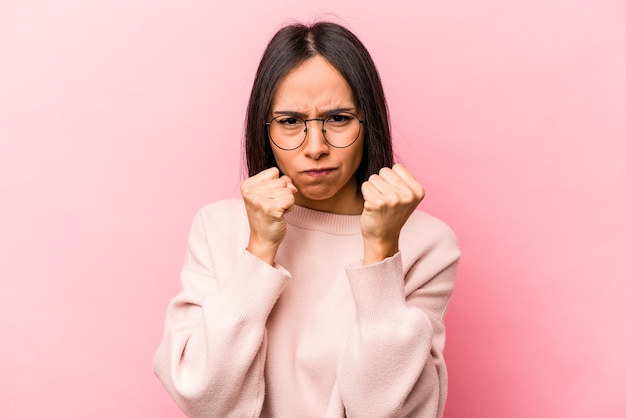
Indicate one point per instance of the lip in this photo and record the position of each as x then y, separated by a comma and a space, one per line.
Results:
319, 172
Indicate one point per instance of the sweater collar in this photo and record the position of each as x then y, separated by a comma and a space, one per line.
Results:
331, 223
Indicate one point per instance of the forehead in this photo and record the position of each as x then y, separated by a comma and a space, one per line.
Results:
315, 86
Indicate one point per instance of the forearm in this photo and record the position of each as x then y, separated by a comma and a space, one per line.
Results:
390, 367
213, 353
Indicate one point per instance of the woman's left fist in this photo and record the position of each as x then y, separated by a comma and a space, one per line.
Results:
390, 198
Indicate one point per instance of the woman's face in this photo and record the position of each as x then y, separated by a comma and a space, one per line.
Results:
324, 175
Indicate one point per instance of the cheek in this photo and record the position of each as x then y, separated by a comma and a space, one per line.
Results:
280, 160
357, 157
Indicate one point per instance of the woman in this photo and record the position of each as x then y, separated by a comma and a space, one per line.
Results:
322, 293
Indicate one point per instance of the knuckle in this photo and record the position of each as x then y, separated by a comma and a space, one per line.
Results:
379, 203
393, 200
256, 201
407, 196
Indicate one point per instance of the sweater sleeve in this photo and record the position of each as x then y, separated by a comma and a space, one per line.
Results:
393, 365
211, 359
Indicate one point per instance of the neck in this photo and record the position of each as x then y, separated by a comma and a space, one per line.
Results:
349, 204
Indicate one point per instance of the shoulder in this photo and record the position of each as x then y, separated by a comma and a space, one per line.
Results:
430, 255
222, 207
227, 215
427, 233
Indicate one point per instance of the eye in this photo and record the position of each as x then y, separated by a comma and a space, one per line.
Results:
288, 122
339, 119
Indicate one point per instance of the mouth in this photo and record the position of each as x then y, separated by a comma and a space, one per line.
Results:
319, 172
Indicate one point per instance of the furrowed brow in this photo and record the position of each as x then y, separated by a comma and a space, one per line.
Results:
289, 113
329, 112
338, 110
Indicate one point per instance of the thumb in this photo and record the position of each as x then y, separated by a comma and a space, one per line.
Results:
290, 184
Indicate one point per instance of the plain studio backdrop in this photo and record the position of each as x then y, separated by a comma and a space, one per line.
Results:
120, 119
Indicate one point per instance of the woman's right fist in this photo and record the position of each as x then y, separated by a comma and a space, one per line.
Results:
267, 197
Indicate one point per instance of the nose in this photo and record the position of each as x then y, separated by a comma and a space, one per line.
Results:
315, 145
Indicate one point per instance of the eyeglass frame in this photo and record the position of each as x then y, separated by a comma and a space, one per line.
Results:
306, 130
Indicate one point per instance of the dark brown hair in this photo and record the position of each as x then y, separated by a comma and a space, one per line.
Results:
290, 47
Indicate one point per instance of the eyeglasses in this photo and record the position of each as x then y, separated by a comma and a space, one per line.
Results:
289, 132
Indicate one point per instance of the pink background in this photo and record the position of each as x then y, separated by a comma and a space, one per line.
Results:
119, 119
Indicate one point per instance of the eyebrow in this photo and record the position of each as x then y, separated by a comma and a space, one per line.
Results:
303, 115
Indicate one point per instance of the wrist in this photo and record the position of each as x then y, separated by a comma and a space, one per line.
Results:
263, 250
375, 251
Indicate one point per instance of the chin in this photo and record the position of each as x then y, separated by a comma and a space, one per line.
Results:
317, 195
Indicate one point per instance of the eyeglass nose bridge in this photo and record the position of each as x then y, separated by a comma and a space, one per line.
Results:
306, 126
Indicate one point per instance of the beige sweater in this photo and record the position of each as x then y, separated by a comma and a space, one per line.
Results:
315, 335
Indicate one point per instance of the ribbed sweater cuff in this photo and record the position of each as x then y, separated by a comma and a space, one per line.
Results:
378, 289
253, 289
